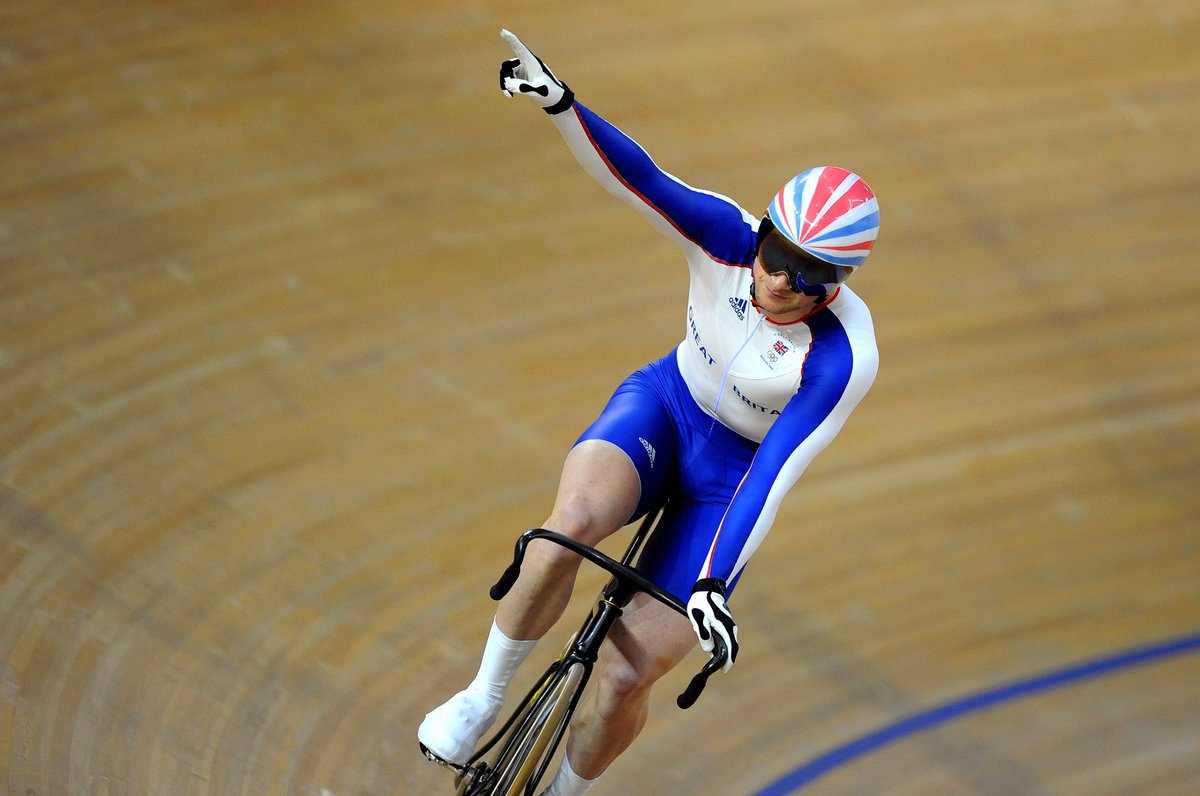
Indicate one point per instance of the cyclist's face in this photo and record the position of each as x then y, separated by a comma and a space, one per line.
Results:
774, 295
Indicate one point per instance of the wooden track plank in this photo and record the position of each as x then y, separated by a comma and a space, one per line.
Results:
298, 317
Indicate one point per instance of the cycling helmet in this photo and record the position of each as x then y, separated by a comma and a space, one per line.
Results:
827, 212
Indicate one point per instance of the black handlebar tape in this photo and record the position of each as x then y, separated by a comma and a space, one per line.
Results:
506, 581
692, 692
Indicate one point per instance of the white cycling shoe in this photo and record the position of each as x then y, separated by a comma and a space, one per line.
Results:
452, 731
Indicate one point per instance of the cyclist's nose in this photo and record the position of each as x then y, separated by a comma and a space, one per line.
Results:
779, 282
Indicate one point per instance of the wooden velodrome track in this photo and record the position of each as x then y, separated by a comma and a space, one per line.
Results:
299, 316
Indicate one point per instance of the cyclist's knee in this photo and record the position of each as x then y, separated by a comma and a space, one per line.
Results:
573, 520
648, 642
549, 560
581, 519
622, 680
619, 683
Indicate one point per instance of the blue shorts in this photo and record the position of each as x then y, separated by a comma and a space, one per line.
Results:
683, 456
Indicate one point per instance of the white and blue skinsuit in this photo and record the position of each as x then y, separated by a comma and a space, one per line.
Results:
726, 423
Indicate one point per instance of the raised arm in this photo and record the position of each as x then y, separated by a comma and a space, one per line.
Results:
690, 216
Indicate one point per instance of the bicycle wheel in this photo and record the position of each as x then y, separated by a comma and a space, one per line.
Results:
529, 743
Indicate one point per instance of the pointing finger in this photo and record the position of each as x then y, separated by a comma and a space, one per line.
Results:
533, 67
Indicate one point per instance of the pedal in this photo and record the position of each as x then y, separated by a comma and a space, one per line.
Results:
433, 757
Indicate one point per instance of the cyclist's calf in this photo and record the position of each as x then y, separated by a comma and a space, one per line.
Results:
543, 589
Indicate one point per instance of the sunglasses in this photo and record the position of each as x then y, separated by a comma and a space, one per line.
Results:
806, 273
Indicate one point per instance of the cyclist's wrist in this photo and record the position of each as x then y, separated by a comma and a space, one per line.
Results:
710, 584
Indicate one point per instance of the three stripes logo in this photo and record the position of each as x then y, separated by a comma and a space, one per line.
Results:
649, 450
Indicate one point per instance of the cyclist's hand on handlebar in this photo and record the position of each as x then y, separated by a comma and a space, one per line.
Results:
711, 617
528, 75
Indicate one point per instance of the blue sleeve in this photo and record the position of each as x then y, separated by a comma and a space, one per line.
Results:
715, 223
812, 418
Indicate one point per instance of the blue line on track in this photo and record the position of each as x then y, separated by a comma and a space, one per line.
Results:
818, 767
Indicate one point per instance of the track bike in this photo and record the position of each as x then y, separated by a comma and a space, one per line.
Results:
515, 758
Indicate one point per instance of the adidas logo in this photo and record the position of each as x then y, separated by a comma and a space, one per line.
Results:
649, 450
739, 306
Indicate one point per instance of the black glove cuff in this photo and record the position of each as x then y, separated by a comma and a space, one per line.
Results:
710, 584
564, 104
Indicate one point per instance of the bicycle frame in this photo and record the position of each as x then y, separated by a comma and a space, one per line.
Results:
582, 651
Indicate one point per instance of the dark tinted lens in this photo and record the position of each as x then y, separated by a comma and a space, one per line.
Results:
803, 270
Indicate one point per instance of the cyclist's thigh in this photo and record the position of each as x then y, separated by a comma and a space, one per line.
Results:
638, 423
597, 491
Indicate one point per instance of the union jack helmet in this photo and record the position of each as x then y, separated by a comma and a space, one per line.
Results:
828, 212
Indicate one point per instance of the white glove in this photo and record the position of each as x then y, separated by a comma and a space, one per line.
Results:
711, 617
527, 74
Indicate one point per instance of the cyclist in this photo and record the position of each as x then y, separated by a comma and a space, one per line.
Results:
776, 352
